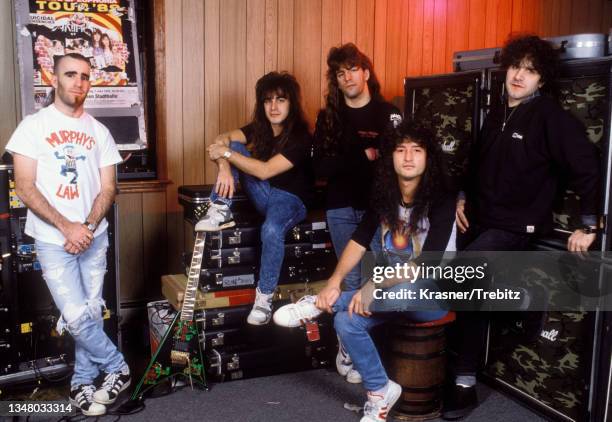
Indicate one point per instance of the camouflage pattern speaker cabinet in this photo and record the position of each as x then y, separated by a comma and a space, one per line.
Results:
450, 105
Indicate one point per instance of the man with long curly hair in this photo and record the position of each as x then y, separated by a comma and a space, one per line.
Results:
274, 174
347, 137
414, 216
526, 147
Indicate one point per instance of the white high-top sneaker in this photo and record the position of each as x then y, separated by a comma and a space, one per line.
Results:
377, 408
262, 309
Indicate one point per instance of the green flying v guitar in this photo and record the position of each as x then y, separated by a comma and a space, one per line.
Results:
180, 352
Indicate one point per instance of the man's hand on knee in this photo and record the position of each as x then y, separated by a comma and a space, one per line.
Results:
358, 306
327, 297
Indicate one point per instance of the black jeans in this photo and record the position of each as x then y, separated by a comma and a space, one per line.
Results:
472, 326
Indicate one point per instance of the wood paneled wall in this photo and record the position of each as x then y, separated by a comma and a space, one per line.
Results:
215, 50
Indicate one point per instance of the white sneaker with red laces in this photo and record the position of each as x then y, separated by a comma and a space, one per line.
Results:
378, 406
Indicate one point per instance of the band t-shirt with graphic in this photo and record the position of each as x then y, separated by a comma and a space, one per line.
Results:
69, 152
348, 170
435, 232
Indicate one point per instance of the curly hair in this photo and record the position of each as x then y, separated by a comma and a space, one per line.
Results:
347, 55
386, 195
542, 54
285, 85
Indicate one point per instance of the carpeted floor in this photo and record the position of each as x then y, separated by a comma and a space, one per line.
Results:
317, 395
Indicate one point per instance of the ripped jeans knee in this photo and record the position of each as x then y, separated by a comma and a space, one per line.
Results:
90, 312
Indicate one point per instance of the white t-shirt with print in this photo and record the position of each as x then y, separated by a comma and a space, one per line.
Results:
69, 152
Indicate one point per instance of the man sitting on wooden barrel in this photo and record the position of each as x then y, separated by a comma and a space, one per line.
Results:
415, 217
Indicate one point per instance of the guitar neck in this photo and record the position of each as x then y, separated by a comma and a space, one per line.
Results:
193, 279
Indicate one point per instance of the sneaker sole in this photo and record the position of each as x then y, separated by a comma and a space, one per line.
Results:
106, 402
86, 412
221, 227
253, 322
353, 380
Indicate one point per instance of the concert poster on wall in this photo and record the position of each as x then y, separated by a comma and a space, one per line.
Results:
104, 32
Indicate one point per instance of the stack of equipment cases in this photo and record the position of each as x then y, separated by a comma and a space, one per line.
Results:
230, 256
309, 255
564, 370
235, 349
228, 277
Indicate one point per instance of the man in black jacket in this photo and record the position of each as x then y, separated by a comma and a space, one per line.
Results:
525, 148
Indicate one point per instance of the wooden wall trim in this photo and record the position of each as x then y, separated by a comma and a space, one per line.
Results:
158, 14
158, 185
9, 88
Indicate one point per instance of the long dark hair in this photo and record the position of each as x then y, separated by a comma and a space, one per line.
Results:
285, 85
347, 55
386, 195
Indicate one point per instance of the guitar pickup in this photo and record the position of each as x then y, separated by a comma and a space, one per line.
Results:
178, 357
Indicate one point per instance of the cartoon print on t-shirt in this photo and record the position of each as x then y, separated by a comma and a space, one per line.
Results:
69, 165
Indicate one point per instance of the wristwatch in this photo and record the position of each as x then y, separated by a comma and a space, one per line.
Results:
227, 154
90, 226
589, 229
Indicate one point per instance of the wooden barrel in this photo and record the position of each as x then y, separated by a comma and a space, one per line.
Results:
417, 361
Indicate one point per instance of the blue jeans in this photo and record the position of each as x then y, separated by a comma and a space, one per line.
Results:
354, 331
342, 222
75, 282
282, 211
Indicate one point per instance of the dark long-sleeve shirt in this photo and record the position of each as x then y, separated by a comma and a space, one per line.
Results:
515, 172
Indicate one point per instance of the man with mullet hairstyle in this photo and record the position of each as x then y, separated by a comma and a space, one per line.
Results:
346, 142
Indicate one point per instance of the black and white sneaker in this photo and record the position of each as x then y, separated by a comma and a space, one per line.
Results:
82, 398
114, 383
